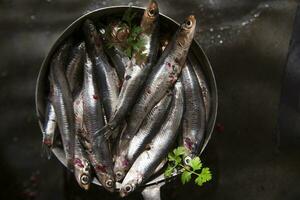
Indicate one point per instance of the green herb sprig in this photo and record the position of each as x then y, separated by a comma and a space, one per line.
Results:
193, 167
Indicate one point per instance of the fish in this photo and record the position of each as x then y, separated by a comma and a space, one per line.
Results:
97, 148
138, 69
164, 75
62, 101
74, 72
107, 79
117, 35
74, 69
82, 166
194, 120
49, 127
202, 82
130, 149
148, 161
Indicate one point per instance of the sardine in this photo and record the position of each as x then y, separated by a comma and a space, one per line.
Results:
193, 122
202, 82
137, 72
62, 101
107, 78
117, 35
97, 147
149, 160
49, 126
130, 149
74, 72
82, 165
164, 74
74, 69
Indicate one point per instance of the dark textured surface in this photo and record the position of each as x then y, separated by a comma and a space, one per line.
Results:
247, 43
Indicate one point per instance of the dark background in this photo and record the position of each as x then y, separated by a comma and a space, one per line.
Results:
247, 41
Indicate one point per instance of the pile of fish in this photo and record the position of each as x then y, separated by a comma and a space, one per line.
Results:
118, 117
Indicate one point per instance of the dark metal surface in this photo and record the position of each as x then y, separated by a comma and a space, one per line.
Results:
247, 43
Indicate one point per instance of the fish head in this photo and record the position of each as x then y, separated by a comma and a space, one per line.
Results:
92, 37
82, 173
121, 167
187, 31
118, 32
108, 182
127, 188
150, 17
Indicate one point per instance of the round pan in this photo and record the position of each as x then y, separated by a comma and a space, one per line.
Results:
167, 26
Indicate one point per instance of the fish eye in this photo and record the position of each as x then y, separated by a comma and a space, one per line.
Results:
128, 188
119, 174
151, 12
189, 23
109, 183
84, 179
187, 160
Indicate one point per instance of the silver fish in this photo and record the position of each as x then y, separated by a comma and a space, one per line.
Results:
149, 160
49, 126
96, 147
138, 70
74, 69
82, 165
202, 82
107, 78
164, 74
74, 72
130, 149
193, 123
62, 101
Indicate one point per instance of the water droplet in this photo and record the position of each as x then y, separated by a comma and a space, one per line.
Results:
244, 23
256, 15
267, 5
221, 41
104, 3
219, 36
130, 4
211, 30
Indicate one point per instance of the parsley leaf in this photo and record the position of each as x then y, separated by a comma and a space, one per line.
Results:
186, 177
195, 163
